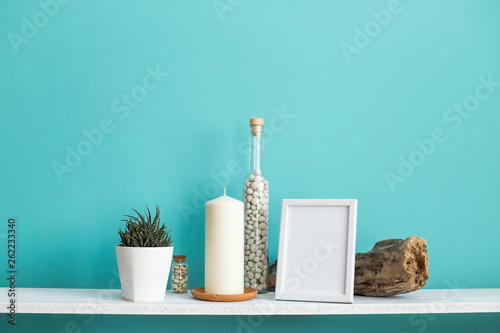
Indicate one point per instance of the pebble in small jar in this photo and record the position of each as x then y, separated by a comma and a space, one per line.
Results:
256, 198
179, 274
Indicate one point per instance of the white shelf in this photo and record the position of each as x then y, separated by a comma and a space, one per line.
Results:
104, 301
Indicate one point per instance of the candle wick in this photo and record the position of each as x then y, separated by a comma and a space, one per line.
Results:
224, 191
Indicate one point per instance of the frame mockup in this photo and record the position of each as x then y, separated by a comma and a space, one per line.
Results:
317, 250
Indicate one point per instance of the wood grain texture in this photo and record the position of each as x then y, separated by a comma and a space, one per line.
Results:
392, 267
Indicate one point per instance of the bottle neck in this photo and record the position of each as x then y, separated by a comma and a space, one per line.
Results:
255, 152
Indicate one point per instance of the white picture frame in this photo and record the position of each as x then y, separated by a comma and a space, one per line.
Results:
317, 247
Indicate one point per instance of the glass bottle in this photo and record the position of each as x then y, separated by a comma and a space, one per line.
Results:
179, 274
256, 199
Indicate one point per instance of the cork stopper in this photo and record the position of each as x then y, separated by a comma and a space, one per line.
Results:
180, 258
256, 124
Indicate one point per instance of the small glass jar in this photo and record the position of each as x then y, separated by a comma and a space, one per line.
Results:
179, 274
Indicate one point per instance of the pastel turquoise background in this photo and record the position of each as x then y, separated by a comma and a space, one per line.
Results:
334, 128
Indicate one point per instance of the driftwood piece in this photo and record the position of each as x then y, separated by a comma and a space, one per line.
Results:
271, 277
392, 267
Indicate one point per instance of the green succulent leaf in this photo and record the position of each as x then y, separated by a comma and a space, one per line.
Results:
144, 231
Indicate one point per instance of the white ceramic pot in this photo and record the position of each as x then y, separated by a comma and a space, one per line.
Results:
144, 272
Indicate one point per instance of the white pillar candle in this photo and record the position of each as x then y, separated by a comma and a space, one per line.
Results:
224, 246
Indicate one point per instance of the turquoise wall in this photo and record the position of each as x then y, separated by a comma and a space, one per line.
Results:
393, 103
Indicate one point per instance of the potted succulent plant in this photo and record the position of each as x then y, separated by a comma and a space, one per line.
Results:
144, 257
